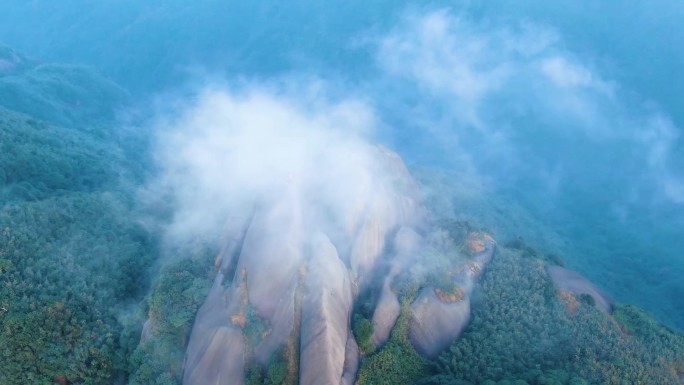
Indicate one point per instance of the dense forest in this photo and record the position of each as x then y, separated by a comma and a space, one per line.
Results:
73, 259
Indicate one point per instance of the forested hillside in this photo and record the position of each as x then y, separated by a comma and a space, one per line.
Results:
524, 331
73, 260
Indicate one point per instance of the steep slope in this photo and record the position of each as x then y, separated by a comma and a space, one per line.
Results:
70, 251
273, 262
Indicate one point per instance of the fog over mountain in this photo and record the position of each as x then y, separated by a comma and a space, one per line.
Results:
350, 192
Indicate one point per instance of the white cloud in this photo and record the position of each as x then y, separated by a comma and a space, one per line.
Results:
674, 189
445, 59
502, 87
230, 151
566, 74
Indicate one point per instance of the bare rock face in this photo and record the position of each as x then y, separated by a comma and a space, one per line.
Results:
146, 331
434, 325
326, 310
298, 261
385, 316
351, 361
220, 361
271, 256
215, 352
406, 247
299, 275
569, 280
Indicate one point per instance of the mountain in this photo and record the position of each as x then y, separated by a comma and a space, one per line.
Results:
305, 254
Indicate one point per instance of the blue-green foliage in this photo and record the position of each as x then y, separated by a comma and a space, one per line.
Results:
255, 327
178, 293
363, 332
277, 368
39, 160
274, 374
69, 260
397, 362
68, 95
71, 251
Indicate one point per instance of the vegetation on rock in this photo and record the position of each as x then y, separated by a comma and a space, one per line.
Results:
397, 362
522, 333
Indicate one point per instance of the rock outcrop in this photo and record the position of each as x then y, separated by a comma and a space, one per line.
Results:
435, 323
299, 253
406, 247
351, 361
385, 316
295, 265
326, 310
216, 349
571, 281
146, 331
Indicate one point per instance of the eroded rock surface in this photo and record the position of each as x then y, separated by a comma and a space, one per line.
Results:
569, 280
351, 361
435, 323
146, 331
216, 349
326, 310
301, 252
385, 316
406, 247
